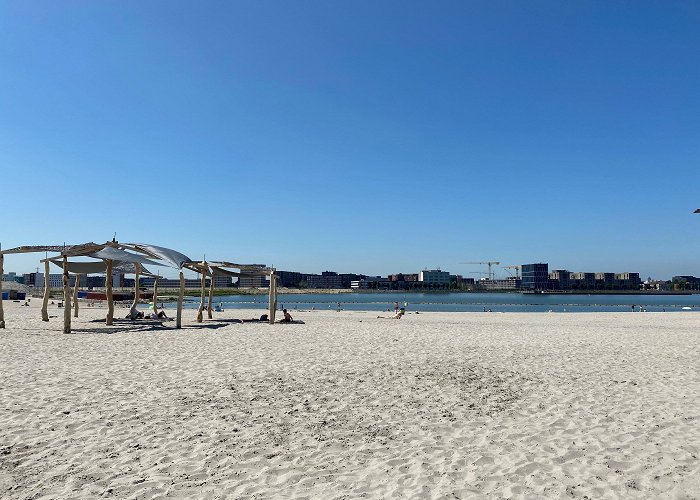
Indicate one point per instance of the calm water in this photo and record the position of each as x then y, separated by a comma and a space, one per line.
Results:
469, 302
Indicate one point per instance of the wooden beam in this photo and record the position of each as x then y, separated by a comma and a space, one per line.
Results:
66, 296
110, 297
180, 296
155, 295
272, 298
211, 296
75, 295
47, 293
134, 311
200, 315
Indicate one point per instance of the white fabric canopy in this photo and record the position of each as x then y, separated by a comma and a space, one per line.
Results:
100, 267
117, 254
172, 257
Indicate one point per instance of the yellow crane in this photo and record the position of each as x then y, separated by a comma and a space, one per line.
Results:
517, 270
489, 263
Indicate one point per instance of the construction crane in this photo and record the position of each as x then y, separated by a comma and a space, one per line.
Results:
489, 263
517, 270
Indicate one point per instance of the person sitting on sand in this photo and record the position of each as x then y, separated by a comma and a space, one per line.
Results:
287, 317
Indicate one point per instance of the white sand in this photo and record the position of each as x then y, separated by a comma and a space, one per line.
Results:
437, 405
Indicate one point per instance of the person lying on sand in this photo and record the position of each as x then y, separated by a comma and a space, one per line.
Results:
398, 315
255, 320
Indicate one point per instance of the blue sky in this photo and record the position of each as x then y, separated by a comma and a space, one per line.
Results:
369, 137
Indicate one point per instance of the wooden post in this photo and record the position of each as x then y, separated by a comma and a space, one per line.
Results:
274, 310
201, 299
66, 296
180, 296
155, 295
211, 294
272, 299
47, 293
75, 295
133, 311
2, 311
110, 298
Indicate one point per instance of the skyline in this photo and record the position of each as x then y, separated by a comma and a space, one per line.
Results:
499, 271
371, 138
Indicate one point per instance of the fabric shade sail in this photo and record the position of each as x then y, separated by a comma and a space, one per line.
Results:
244, 269
217, 271
171, 257
100, 267
117, 254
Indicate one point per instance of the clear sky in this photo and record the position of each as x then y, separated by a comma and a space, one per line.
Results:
357, 136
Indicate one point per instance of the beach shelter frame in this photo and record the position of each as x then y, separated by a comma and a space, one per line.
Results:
64, 251
248, 270
95, 250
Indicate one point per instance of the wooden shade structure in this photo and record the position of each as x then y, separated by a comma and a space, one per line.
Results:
130, 258
248, 270
112, 255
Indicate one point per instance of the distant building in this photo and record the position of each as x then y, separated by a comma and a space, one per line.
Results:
327, 279
434, 277
582, 281
535, 276
147, 282
560, 279
349, 277
288, 279
510, 283
371, 283
651, 284
34, 279
605, 281
686, 282
253, 282
628, 281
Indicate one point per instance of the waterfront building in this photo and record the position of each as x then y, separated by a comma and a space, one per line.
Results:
535, 276
651, 284
288, 279
605, 281
348, 277
253, 282
560, 279
434, 277
510, 283
582, 281
628, 281
686, 282
328, 279
371, 283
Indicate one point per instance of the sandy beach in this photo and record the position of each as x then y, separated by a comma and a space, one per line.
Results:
436, 405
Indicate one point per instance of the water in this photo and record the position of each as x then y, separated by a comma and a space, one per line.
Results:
466, 302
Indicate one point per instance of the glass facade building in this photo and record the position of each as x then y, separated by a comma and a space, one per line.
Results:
535, 276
